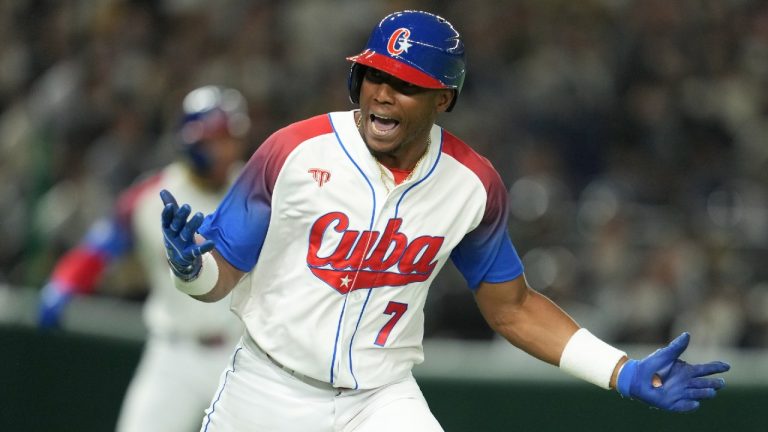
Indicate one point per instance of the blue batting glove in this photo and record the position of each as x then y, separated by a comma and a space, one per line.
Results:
53, 302
179, 234
682, 385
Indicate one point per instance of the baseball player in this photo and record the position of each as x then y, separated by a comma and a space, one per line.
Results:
188, 342
343, 220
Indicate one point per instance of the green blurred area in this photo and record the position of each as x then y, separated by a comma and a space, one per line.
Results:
64, 381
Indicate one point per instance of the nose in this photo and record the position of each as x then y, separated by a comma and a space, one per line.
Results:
384, 93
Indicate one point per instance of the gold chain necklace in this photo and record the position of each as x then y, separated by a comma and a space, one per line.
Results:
383, 170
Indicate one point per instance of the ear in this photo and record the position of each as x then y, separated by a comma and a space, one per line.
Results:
443, 99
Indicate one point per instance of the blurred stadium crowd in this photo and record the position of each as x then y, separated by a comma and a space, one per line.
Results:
632, 134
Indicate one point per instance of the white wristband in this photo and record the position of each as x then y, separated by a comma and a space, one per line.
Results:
204, 282
589, 358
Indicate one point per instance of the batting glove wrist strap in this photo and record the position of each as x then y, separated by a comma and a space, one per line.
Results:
204, 279
589, 358
664, 381
627, 374
186, 272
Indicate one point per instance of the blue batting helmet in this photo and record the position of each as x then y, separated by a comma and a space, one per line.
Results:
211, 112
417, 47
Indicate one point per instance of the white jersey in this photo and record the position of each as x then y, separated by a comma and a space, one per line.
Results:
168, 312
341, 259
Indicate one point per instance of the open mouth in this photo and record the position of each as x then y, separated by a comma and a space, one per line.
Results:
382, 124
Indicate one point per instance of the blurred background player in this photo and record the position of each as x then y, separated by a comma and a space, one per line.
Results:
188, 342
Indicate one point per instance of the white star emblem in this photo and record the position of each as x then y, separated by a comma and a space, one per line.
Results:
404, 44
345, 281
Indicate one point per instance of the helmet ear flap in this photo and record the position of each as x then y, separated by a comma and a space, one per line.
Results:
356, 73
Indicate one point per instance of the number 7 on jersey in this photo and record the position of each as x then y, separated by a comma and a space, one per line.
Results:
396, 310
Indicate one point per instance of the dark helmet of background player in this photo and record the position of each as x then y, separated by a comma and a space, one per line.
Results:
211, 112
417, 47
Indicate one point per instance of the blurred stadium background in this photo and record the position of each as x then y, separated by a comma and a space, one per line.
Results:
632, 134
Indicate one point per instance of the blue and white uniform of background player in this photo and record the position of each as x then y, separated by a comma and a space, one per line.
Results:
188, 342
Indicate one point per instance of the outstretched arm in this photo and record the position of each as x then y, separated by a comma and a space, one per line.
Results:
80, 269
526, 318
533, 323
197, 268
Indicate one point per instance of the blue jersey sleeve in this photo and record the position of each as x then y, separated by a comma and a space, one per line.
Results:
486, 254
239, 224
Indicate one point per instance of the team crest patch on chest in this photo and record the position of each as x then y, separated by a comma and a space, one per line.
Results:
369, 259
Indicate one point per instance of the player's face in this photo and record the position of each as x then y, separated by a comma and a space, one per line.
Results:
396, 115
223, 152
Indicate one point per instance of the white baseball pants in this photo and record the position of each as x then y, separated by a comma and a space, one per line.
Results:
171, 386
255, 394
